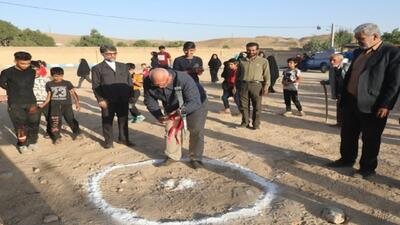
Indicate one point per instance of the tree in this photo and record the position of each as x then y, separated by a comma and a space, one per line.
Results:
174, 44
392, 37
315, 45
7, 33
343, 37
122, 44
142, 43
94, 39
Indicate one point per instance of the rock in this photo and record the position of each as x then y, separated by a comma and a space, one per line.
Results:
122, 181
120, 189
35, 170
333, 215
50, 218
6, 174
42, 180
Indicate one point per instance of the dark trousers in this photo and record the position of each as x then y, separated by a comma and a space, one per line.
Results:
57, 112
228, 92
82, 78
214, 74
25, 119
339, 110
371, 128
291, 95
46, 113
196, 122
132, 105
250, 92
119, 108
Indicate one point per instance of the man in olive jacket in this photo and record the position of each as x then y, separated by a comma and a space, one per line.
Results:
371, 88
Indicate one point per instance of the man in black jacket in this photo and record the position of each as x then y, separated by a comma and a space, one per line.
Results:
112, 87
371, 88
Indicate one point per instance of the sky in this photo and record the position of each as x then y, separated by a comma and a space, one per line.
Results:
288, 18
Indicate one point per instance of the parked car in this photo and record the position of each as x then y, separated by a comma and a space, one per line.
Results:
319, 60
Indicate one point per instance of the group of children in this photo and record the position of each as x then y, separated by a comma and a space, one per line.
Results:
290, 81
31, 93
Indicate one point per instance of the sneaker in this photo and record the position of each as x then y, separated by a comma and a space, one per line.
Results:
140, 118
166, 162
133, 119
57, 141
23, 149
286, 113
301, 113
33, 147
195, 164
243, 125
77, 136
225, 111
339, 163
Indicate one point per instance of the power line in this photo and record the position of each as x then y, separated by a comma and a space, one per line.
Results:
153, 20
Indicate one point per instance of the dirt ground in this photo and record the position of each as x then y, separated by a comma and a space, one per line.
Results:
288, 151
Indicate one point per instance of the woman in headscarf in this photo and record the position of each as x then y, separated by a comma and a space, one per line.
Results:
214, 65
83, 72
274, 71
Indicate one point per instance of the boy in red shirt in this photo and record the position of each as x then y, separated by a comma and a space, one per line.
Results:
229, 85
164, 58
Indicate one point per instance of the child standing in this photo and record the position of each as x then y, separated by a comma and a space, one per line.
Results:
137, 80
229, 85
59, 92
39, 89
290, 82
145, 69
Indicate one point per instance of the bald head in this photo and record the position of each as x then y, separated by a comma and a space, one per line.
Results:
160, 77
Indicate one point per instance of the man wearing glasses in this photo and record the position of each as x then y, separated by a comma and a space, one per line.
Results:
112, 87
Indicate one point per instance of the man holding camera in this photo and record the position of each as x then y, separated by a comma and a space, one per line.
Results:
181, 98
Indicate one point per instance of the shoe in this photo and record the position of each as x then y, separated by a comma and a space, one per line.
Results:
243, 125
166, 162
301, 113
127, 143
363, 174
33, 147
255, 127
57, 141
335, 125
271, 90
225, 111
339, 163
139, 119
195, 164
286, 113
23, 149
77, 136
108, 145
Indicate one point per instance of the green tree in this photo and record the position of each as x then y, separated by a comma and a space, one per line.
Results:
175, 44
142, 43
94, 39
392, 37
315, 45
343, 37
7, 33
122, 44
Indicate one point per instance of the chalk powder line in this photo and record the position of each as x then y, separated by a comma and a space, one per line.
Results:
131, 218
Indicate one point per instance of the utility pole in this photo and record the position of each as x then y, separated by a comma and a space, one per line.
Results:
333, 36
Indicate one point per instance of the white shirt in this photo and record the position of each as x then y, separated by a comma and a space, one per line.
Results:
111, 64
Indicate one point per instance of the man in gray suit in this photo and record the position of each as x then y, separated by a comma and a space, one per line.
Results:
112, 87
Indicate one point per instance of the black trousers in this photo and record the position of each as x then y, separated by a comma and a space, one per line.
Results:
228, 92
132, 104
339, 110
214, 74
291, 95
57, 112
119, 108
250, 92
196, 123
371, 128
46, 113
82, 78
25, 119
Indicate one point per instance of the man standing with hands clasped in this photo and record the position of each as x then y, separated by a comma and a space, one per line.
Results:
112, 87
371, 88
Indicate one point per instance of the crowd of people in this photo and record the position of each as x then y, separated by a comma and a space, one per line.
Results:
365, 90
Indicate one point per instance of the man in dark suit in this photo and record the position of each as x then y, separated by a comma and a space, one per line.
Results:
112, 87
371, 88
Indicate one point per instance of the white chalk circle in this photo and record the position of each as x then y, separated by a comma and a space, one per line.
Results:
130, 218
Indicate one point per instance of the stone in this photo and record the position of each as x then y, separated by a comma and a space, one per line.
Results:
120, 189
333, 215
122, 181
50, 218
35, 170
